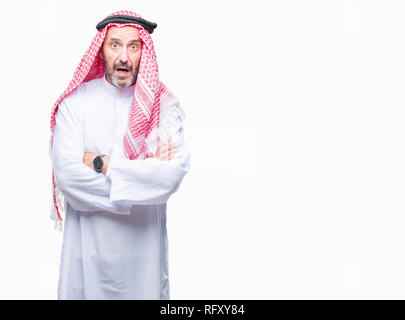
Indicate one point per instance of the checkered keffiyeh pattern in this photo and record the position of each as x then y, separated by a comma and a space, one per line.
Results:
150, 95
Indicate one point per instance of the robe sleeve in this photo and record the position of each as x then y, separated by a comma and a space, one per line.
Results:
151, 180
83, 188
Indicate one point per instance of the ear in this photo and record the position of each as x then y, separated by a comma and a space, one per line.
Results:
100, 51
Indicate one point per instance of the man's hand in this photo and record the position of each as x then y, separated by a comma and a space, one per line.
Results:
166, 151
88, 158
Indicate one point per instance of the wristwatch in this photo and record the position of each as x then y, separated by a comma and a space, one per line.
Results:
98, 162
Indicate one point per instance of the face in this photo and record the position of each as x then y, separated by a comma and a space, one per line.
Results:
121, 51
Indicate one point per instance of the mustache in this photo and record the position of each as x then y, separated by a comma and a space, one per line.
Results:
122, 65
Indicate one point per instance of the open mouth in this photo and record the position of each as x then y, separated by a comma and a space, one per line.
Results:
122, 70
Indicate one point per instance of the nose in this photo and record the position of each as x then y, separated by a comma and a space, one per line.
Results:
123, 57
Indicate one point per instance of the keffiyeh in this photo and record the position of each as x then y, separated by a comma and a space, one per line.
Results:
150, 95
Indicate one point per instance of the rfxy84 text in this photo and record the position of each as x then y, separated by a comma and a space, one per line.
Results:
223, 309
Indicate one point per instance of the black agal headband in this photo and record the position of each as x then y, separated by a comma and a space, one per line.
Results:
149, 26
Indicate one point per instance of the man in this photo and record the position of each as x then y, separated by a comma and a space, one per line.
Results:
118, 153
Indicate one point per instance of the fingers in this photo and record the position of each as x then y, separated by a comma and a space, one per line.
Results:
166, 151
167, 155
161, 144
169, 148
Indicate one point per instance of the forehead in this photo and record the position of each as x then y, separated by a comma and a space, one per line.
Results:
122, 33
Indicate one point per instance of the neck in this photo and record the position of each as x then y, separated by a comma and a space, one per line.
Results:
111, 88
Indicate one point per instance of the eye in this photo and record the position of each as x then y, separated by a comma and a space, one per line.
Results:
114, 45
134, 46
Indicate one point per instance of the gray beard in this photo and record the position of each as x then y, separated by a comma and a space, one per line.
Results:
117, 83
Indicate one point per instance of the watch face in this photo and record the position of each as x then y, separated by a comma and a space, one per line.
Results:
98, 163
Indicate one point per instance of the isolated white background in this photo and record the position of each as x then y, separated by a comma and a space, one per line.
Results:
295, 120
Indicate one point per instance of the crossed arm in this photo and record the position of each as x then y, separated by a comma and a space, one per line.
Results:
125, 182
164, 152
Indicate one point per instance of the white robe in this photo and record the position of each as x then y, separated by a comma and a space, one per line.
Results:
115, 239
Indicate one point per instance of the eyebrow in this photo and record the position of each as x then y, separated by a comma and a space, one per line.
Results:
133, 40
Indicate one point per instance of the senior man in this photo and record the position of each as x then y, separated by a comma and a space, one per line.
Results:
118, 153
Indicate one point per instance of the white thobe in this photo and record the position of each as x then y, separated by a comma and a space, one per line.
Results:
115, 238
